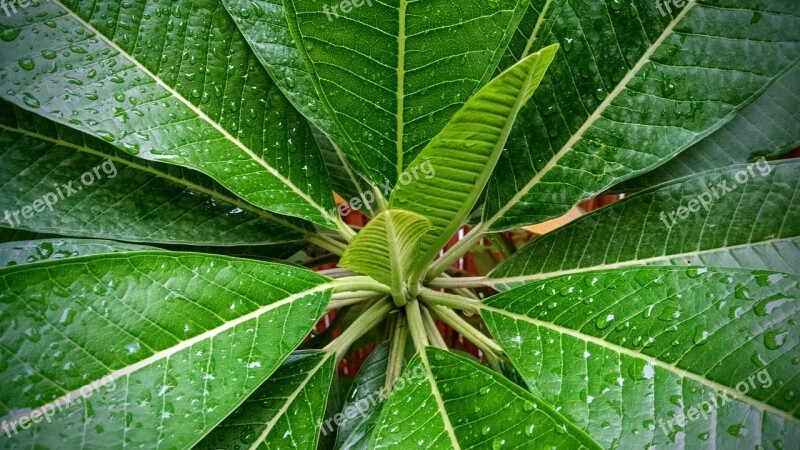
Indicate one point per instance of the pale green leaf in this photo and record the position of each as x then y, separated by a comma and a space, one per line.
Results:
26, 252
149, 349
181, 86
463, 155
631, 355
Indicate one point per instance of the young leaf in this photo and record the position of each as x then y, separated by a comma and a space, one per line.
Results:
755, 225
181, 87
766, 128
367, 397
463, 155
82, 186
27, 252
388, 248
152, 346
660, 356
453, 402
285, 412
393, 74
630, 90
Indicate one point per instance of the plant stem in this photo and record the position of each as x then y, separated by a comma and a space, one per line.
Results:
434, 336
343, 299
432, 297
462, 291
483, 342
397, 351
359, 283
416, 326
333, 246
462, 282
457, 251
367, 321
344, 230
338, 272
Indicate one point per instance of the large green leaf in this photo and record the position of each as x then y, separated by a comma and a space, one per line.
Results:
452, 402
769, 127
391, 75
180, 86
26, 252
125, 198
363, 406
463, 155
263, 24
631, 89
285, 412
388, 248
143, 348
756, 225
629, 354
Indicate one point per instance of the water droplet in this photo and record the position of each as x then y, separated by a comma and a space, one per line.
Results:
30, 100
9, 34
766, 306
774, 339
604, 321
737, 430
27, 63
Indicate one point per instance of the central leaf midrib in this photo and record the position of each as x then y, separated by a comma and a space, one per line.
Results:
401, 79
764, 407
596, 115
200, 114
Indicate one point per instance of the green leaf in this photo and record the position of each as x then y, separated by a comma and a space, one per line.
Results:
393, 74
285, 412
26, 252
364, 402
133, 349
264, 26
388, 248
463, 155
122, 197
755, 225
625, 353
453, 403
766, 128
630, 90
180, 87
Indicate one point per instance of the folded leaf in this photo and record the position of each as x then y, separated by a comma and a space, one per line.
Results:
181, 86
285, 412
455, 403
766, 128
388, 248
26, 252
754, 224
631, 89
81, 186
660, 356
461, 158
393, 74
132, 349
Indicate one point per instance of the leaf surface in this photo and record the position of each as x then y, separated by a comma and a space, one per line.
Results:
26, 252
147, 347
631, 89
455, 403
625, 353
752, 225
285, 412
181, 86
391, 75
98, 191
